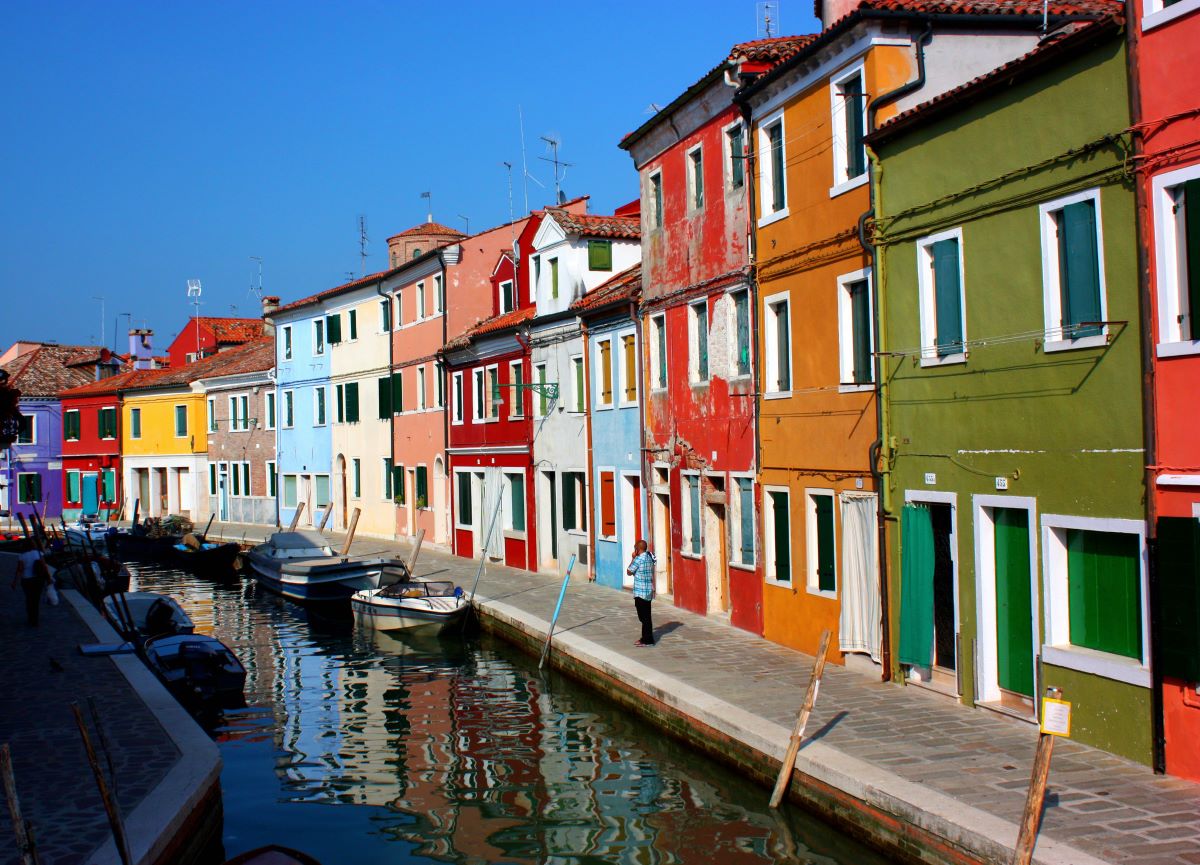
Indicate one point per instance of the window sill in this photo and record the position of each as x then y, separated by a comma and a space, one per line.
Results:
856, 388
778, 394
933, 359
1050, 346
1114, 667
782, 584
513, 535
693, 556
624, 404
823, 593
1162, 16
750, 568
1177, 349
846, 185
763, 222
608, 407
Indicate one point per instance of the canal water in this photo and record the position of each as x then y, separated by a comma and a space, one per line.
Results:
360, 747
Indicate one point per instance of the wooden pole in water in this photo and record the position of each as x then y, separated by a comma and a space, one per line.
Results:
110, 805
810, 699
22, 828
557, 608
350, 534
325, 518
412, 560
1031, 818
296, 517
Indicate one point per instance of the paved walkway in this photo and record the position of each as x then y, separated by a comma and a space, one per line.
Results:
927, 758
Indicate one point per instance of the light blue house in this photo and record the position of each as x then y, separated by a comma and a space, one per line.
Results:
304, 444
609, 317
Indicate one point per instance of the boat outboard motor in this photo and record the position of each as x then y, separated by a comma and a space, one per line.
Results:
160, 619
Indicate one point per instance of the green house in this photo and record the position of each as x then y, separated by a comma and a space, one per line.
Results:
1006, 252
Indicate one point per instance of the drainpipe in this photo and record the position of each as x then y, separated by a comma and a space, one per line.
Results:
879, 453
587, 427
643, 402
1145, 316
752, 275
447, 395
392, 417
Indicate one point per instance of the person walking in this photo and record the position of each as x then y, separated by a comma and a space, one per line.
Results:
33, 575
641, 566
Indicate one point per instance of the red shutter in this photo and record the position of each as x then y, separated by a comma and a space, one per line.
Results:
608, 504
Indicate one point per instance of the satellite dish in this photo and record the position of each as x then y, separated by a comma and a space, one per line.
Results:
193, 287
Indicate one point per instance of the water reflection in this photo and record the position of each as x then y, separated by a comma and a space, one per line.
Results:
365, 747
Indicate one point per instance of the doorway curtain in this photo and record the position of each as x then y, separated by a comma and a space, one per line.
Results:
916, 586
861, 625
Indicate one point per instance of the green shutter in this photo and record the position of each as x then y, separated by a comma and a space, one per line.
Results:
397, 392
352, 402
742, 318
600, 255
698, 178
135, 423
826, 548
1079, 268
333, 328
385, 398
783, 537
1177, 597
109, 479
947, 297
72, 486
517, 502
464, 499
916, 586
568, 499
352, 315
1104, 592
784, 360
660, 325
212, 478
746, 518
693, 483
422, 485
339, 395
71, 425
1191, 245
1014, 602
701, 313
656, 182
399, 489
860, 323
737, 164
385, 314
775, 135
856, 153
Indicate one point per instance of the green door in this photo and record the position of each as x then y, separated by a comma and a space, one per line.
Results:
1014, 605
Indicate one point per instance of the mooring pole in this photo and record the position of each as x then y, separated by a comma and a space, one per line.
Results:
296, 517
353, 528
110, 804
562, 593
810, 699
1031, 818
412, 560
22, 828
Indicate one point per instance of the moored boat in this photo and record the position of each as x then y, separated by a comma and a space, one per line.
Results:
301, 565
142, 615
272, 854
207, 559
413, 604
199, 670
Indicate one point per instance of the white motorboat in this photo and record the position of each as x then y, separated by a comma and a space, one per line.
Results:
87, 535
197, 669
301, 565
413, 604
140, 615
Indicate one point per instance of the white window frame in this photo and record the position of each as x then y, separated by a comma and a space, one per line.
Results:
511, 295
388, 477
771, 347
283, 490
540, 378
735, 522
420, 301
135, 426
731, 325
439, 384
535, 276
766, 169
1154, 13
457, 396
697, 313
422, 393
685, 513
927, 292
286, 339
1168, 261
478, 389
398, 319
1057, 649
318, 403
17, 488
287, 414
729, 155
600, 404
211, 411
271, 468
470, 527
768, 521
507, 476
318, 336
491, 403
439, 294
656, 209
846, 331
1051, 290
270, 408
116, 414
578, 397
689, 164
385, 303
838, 128
239, 412
622, 374
517, 400
355, 478
79, 423
811, 539
187, 421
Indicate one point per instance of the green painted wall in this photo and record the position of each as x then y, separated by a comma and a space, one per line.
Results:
1064, 428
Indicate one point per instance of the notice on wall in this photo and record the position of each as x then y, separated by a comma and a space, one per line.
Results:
1056, 717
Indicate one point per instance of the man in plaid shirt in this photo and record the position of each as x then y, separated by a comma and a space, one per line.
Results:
642, 568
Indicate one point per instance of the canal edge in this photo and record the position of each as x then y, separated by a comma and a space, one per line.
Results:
179, 816
902, 818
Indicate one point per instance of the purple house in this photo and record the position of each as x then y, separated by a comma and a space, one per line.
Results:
31, 469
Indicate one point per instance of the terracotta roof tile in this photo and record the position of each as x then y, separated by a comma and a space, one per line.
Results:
428, 228
494, 324
772, 49
49, 370
112, 384
621, 227
233, 329
249, 357
625, 286
336, 290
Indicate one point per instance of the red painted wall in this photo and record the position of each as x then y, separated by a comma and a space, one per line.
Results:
92, 453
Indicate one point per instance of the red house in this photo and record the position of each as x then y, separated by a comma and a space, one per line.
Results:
207, 335
91, 462
1165, 35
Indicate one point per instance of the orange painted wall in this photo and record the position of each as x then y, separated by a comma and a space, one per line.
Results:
820, 436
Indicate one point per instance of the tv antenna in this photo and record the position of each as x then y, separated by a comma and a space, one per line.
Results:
101, 299
524, 164
362, 244
767, 15
258, 290
467, 222
554, 144
428, 196
193, 292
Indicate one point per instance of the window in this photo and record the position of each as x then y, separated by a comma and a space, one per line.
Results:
656, 200
287, 342
1072, 272
319, 408
741, 333
578, 402
421, 486
398, 485
27, 430
741, 541
321, 497
439, 383
940, 284
855, 342
71, 426
516, 379
389, 484
608, 504
400, 309
507, 300
736, 146
457, 388
352, 402
554, 278
691, 514
352, 323
72, 486
698, 338
240, 472
822, 552
464, 517
1177, 226
333, 327
135, 423
478, 409
356, 477
269, 408
695, 178
629, 376
773, 174
395, 398
289, 406
385, 315
515, 516
29, 488
658, 352
108, 486
106, 422
778, 333
1096, 596
290, 484
600, 255
212, 479
604, 374
849, 106
212, 413
537, 278
239, 412
272, 479
420, 300
494, 398
777, 535
181, 421
421, 398
319, 336
574, 502
439, 293
541, 404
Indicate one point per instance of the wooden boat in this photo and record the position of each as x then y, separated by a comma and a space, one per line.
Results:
207, 560
140, 546
272, 854
199, 670
301, 565
413, 604
140, 616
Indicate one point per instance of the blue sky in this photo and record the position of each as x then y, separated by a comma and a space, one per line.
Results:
151, 143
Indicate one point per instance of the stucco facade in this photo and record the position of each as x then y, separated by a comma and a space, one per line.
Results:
164, 445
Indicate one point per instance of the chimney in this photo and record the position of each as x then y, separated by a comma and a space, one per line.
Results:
270, 303
139, 348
